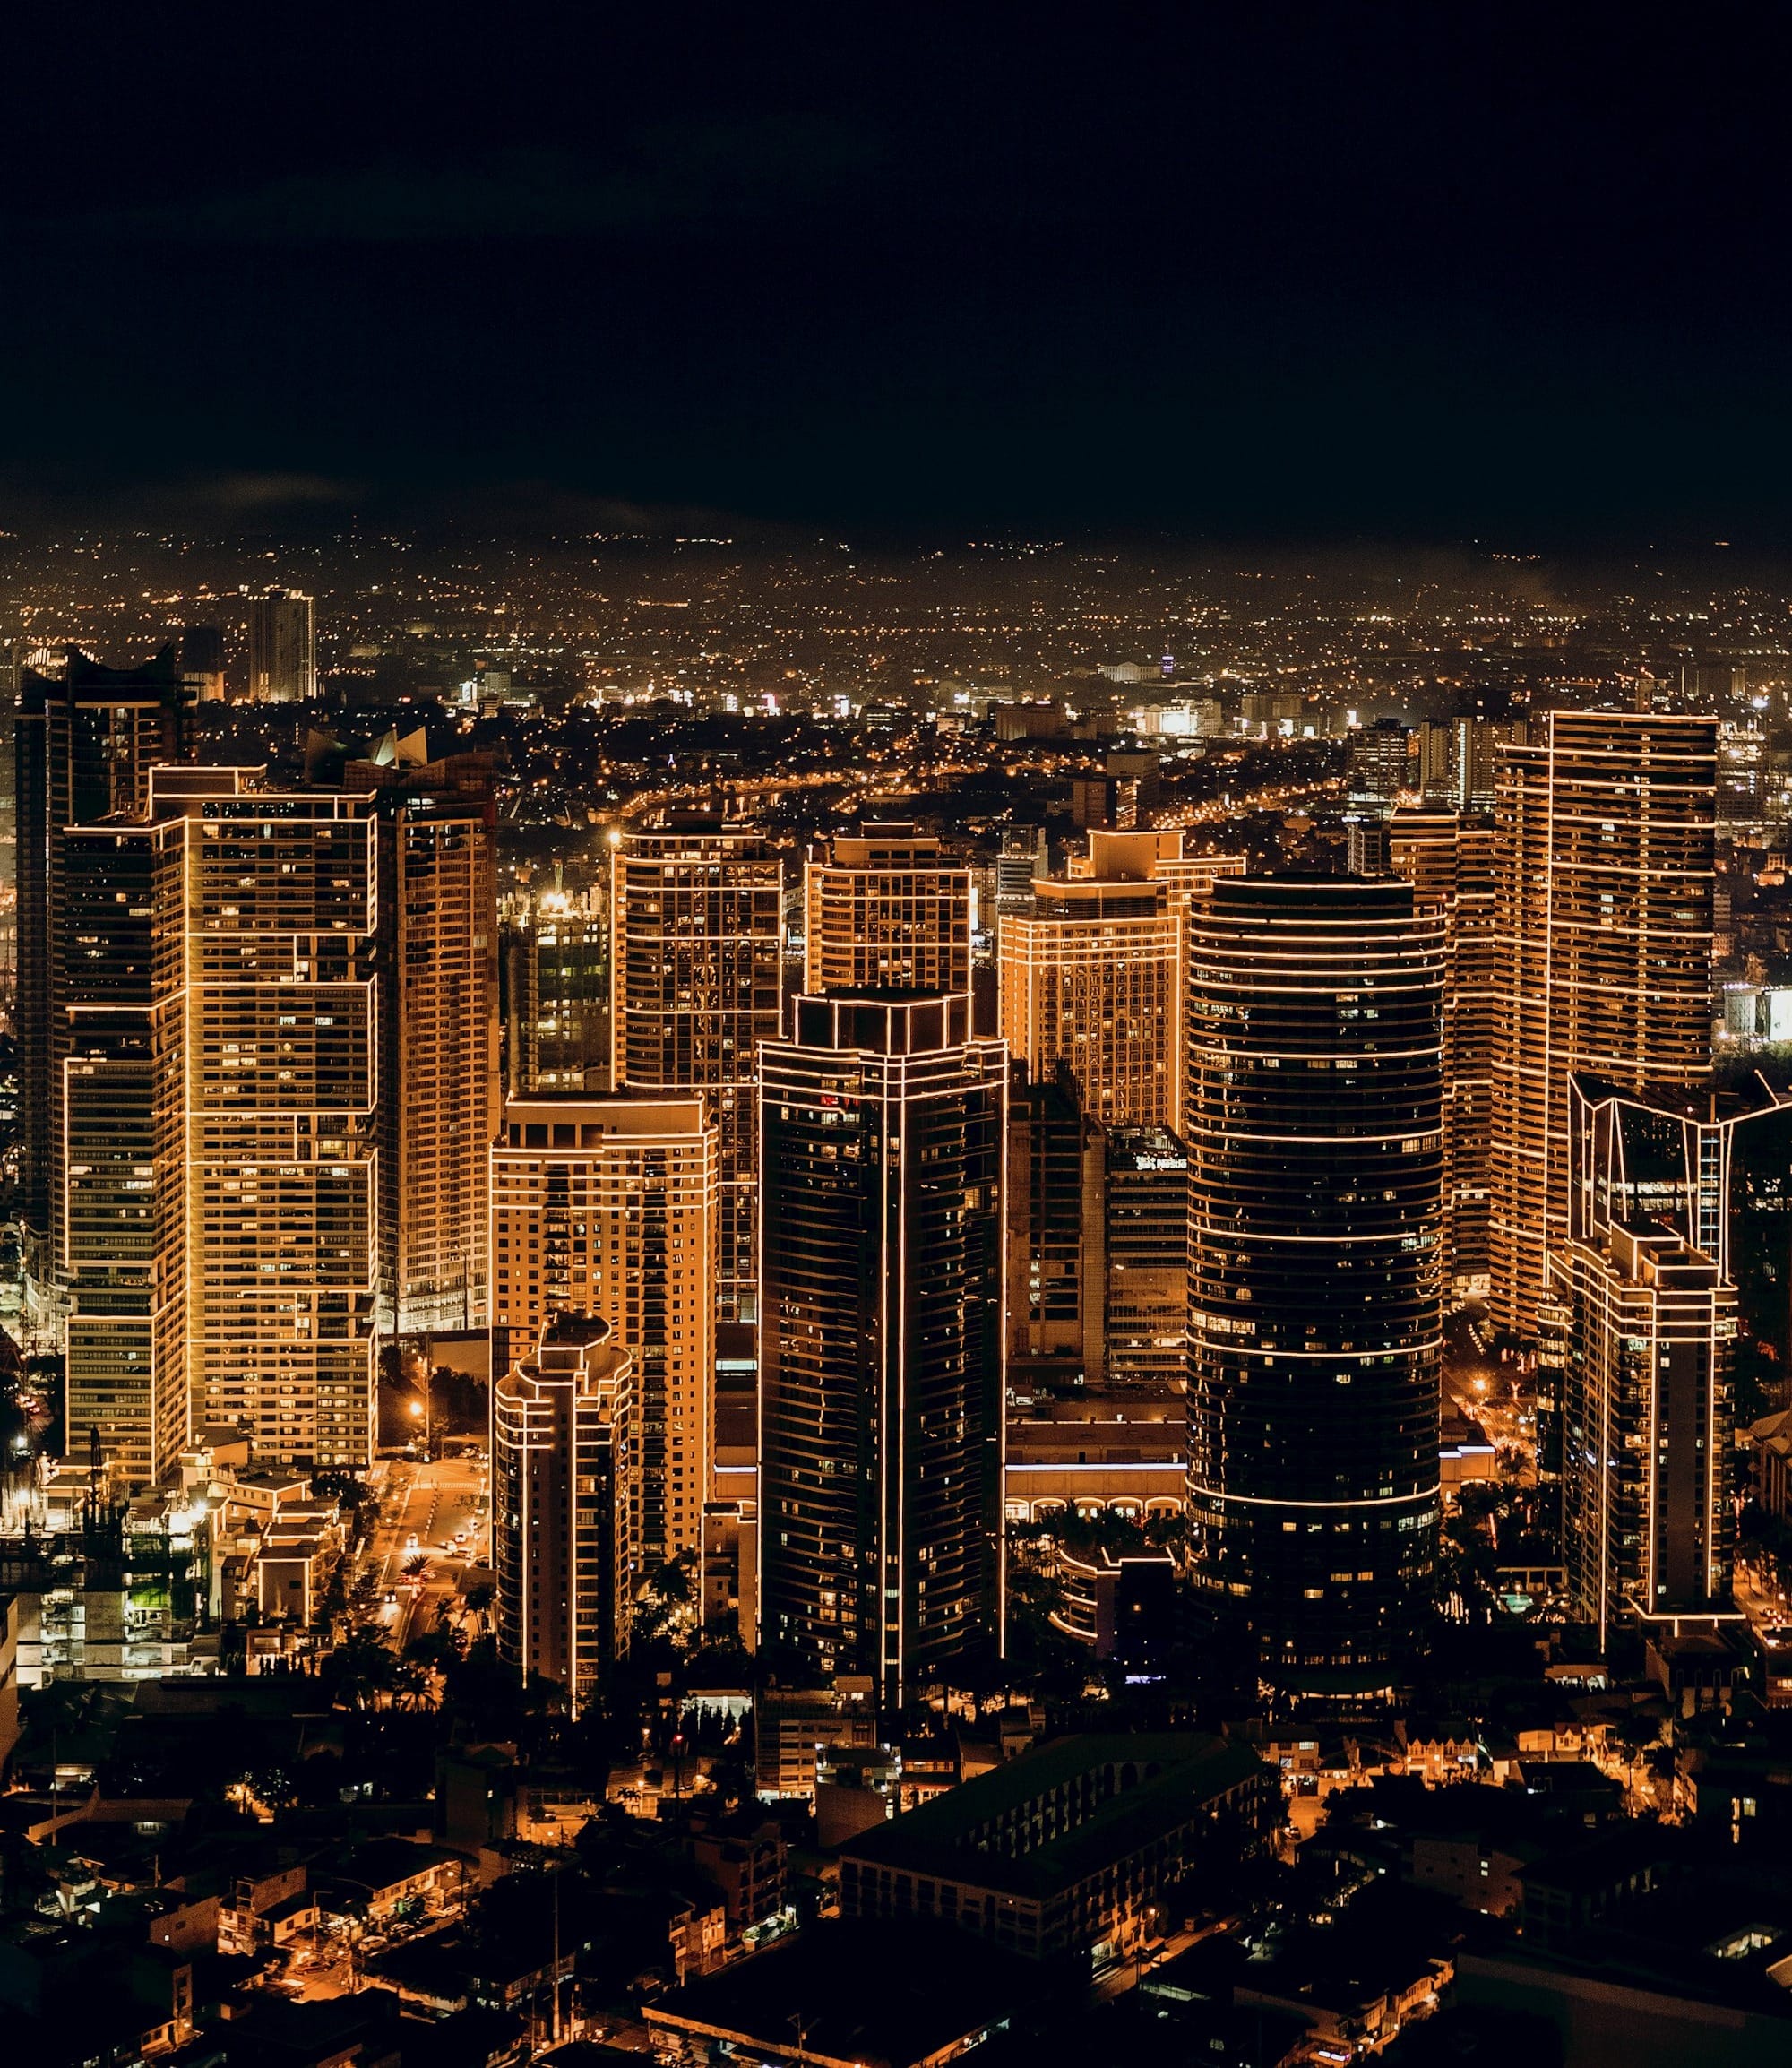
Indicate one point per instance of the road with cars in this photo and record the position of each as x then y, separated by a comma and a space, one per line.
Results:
435, 1511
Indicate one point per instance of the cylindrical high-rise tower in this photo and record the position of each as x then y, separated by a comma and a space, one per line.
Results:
1313, 1114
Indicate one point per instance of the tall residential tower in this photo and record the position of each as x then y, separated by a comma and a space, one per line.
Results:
697, 966
282, 646
85, 742
563, 1488
1091, 979
608, 1207
885, 910
1605, 872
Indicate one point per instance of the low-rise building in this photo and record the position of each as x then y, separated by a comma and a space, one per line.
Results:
747, 1869
1770, 1449
791, 1725
392, 1880
840, 1996
1064, 1852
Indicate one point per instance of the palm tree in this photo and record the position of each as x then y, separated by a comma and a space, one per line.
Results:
479, 1601
413, 1685
361, 1669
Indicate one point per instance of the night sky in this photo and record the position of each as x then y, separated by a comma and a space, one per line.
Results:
1276, 272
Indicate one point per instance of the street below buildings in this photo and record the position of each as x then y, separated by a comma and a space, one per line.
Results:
1485, 1389
1760, 1597
435, 1511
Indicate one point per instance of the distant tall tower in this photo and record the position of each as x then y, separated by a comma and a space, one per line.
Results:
1602, 930
1315, 1138
696, 970
881, 1388
201, 662
609, 1206
84, 744
1473, 758
266, 928
1449, 861
1024, 854
1637, 1333
886, 910
282, 646
556, 945
1379, 763
563, 1483
1092, 979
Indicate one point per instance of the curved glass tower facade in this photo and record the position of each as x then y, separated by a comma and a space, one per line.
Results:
1314, 1117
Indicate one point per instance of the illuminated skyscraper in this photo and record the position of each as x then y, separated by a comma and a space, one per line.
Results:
697, 965
282, 646
1449, 861
1637, 1327
886, 910
1315, 1141
440, 1094
265, 933
120, 1379
1602, 932
84, 744
1091, 979
880, 1389
564, 1485
608, 1207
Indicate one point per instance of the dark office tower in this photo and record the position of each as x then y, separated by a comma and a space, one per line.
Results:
564, 1490
1146, 1248
84, 744
1055, 1202
881, 1393
1313, 1119
1604, 874
1637, 1328
201, 661
1449, 861
282, 646
696, 964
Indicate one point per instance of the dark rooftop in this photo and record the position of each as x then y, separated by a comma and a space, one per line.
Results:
880, 1995
938, 1837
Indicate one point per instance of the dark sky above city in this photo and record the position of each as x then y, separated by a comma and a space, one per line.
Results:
1515, 273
